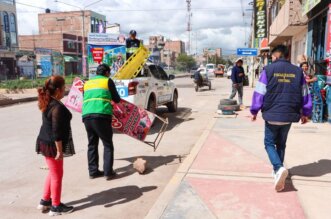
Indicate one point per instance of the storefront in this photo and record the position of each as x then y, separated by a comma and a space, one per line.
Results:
319, 52
318, 35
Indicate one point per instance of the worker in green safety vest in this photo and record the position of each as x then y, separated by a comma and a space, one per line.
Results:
132, 44
99, 91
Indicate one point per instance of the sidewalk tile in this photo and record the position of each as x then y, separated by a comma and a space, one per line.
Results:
230, 199
186, 204
219, 154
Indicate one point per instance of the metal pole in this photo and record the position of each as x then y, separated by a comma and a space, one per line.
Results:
83, 46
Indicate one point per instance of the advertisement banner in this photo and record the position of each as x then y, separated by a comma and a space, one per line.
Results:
44, 62
75, 97
127, 117
328, 47
105, 48
308, 5
132, 120
260, 23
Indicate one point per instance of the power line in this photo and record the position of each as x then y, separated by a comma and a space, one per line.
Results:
33, 6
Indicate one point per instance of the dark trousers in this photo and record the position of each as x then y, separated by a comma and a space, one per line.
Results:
99, 128
275, 138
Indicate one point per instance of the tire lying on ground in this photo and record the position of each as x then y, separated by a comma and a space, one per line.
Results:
229, 107
226, 102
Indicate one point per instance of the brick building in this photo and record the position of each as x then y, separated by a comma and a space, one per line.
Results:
8, 39
70, 46
72, 22
62, 32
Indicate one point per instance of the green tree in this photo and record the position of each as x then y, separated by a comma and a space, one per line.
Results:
216, 60
185, 62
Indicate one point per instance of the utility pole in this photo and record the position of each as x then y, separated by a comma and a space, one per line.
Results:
189, 27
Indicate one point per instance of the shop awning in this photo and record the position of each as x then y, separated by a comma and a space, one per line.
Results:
70, 58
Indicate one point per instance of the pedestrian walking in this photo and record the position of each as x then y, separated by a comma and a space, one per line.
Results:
99, 92
237, 78
283, 97
54, 142
132, 44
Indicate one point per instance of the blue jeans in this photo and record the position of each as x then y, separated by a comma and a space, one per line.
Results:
275, 137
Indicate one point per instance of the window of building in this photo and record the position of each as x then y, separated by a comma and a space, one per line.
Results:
6, 22
11, 2
92, 24
6, 40
12, 25
71, 45
97, 26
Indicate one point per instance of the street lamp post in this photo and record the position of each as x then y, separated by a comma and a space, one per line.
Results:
83, 30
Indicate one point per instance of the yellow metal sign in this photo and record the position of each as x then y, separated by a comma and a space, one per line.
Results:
133, 65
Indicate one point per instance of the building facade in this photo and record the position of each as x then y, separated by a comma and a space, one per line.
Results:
70, 46
165, 51
319, 34
66, 32
8, 39
172, 49
288, 26
78, 23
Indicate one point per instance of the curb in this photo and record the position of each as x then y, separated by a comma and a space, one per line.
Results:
9, 102
182, 75
169, 191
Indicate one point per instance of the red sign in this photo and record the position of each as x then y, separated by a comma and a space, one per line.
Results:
97, 54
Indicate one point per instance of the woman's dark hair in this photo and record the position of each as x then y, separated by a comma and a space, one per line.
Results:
283, 50
103, 69
303, 63
48, 90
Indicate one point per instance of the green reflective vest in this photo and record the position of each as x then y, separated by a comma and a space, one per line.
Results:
97, 97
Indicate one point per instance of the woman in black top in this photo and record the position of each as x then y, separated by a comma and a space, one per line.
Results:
54, 141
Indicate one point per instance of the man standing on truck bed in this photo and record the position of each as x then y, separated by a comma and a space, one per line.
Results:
132, 44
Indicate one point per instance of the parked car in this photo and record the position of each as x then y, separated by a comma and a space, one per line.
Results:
229, 73
150, 89
210, 69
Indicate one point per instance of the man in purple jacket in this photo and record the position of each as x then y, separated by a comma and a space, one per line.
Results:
283, 97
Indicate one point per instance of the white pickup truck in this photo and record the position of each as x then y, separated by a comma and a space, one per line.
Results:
150, 89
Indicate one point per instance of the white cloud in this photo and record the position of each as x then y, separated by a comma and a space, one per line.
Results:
216, 23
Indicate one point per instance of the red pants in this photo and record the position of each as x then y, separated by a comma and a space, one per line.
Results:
53, 183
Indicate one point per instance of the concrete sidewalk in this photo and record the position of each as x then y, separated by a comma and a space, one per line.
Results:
228, 174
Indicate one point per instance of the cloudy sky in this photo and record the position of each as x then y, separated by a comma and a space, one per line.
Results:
215, 23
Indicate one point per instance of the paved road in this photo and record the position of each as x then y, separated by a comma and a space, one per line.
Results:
130, 195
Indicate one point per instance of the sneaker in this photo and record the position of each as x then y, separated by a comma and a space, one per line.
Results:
61, 209
97, 175
280, 179
273, 174
111, 176
44, 205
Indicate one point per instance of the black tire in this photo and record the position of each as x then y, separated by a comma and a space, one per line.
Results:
229, 107
173, 106
196, 88
151, 107
228, 102
209, 85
